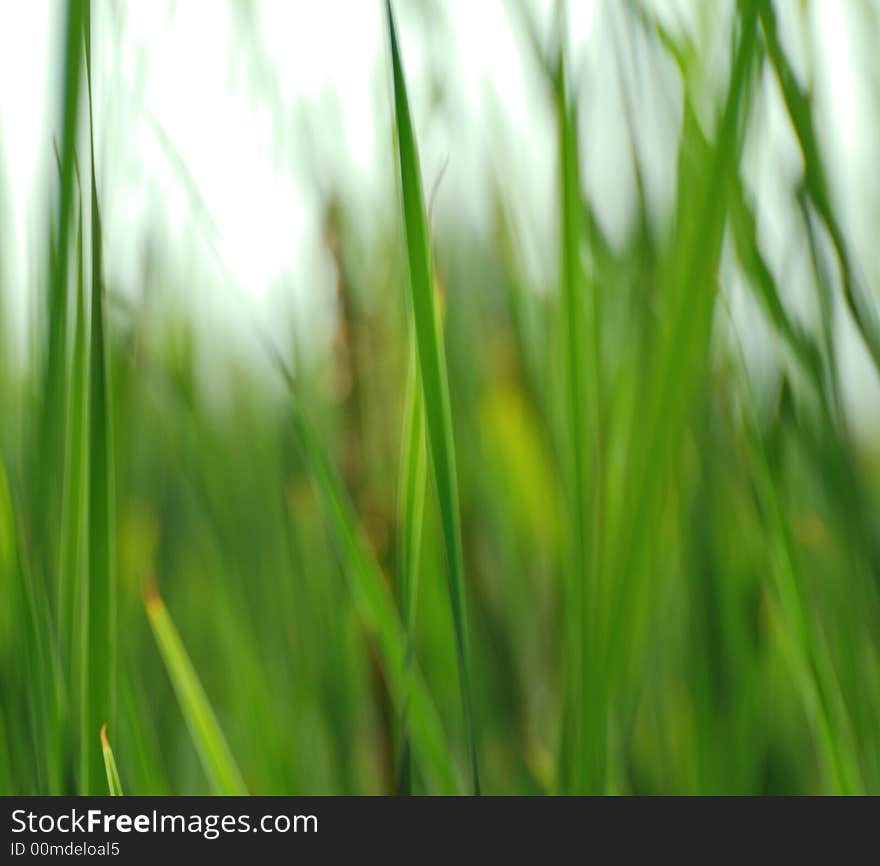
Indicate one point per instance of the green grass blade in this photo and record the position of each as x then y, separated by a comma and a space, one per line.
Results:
137, 716
798, 105
809, 660
41, 675
435, 386
582, 745
99, 605
805, 645
76, 458
113, 783
745, 236
213, 750
690, 284
412, 506
52, 420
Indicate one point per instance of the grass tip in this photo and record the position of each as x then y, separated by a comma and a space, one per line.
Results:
152, 599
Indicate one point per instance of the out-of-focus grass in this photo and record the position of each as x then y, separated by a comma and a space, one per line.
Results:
113, 784
671, 565
217, 761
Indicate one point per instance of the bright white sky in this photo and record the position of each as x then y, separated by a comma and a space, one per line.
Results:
268, 104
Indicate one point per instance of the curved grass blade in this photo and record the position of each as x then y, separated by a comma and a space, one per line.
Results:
216, 758
113, 783
412, 506
435, 386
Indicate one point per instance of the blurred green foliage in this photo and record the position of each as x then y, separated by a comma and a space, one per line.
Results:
671, 570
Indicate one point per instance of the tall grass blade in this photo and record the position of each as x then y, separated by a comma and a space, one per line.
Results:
76, 461
435, 386
40, 670
412, 506
797, 102
745, 236
806, 646
52, 420
690, 285
99, 602
582, 746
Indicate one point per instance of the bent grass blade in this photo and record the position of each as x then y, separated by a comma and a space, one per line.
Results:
216, 758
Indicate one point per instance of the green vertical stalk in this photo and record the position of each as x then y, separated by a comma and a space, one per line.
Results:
583, 739
73, 511
435, 385
52, 418
412, 506
99, 590
691, 288
581, 759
